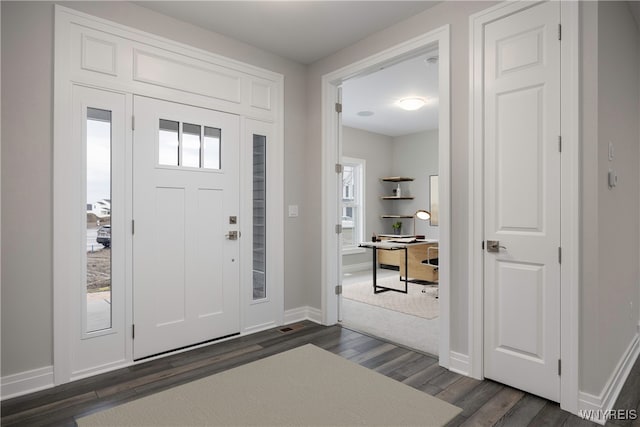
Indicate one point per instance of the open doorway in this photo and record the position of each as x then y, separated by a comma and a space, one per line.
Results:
390, 157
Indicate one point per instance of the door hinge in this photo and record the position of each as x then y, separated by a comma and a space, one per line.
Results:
339, 168
559, 31
133, 331
338, 107
559, 255
133, 122
338, 289
133, 226
483, 245
338, 228
560, 143
559, 367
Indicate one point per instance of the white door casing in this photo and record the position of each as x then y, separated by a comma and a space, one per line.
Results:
522, 200
186, 275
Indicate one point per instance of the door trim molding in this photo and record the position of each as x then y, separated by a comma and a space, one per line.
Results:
570, 182
439, 37
261, 97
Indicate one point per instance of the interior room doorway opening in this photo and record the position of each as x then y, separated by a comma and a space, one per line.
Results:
338, 216
389, 157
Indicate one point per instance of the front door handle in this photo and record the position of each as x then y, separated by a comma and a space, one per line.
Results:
494, 246
233, 235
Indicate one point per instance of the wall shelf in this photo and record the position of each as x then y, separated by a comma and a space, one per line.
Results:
396, 179
397, 216
396, 198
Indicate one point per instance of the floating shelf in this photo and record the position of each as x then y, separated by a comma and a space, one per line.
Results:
396, 179
396, 198
397, 216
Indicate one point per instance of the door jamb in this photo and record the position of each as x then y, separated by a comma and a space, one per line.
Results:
570, 187
330, 82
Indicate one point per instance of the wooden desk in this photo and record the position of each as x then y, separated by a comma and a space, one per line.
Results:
414, 254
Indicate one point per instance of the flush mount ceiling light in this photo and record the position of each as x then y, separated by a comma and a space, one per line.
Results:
411, 104
365, 113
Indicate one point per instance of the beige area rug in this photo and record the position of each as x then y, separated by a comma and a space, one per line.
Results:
415, 302
303, 386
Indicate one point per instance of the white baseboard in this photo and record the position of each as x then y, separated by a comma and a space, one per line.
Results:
459, 363
26, 382
599, 406
352, 268
302, 313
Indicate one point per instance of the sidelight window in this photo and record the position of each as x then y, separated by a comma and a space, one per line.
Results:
98, 203
259, 216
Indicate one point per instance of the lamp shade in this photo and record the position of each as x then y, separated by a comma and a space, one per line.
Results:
422, 214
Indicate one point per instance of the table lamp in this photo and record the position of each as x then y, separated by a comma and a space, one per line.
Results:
420, 214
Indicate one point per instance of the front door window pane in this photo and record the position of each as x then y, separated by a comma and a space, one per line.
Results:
191, 145
211, 148
98, 205
168, 143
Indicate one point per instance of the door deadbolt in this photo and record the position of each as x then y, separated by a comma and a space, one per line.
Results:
494, 246
233, 235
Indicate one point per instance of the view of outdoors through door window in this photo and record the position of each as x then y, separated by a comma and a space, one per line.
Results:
98, 242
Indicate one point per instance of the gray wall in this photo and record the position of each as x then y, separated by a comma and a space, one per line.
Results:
416, 155
27, 99
456, 14
610, 227
377, 150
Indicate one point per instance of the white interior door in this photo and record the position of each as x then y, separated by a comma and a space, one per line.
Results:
522, 200
186, 191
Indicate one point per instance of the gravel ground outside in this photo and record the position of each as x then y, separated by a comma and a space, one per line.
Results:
99, 270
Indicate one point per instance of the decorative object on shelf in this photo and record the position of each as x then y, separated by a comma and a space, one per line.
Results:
420, 214
397, 227
398, 191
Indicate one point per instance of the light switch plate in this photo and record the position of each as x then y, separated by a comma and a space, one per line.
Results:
293, 211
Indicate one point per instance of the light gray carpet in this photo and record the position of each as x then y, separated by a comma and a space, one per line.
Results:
303, 386
415, 302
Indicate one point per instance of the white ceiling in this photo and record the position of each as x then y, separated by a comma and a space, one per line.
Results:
306, 31
303, 31
379, 93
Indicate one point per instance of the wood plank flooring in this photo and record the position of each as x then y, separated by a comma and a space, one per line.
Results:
483, 403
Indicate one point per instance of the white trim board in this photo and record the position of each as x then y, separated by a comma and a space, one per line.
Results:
299, 314
604, 402
330, 269
459, 363
26, 382
570, 178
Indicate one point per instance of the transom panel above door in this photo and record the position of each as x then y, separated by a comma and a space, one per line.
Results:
185, 207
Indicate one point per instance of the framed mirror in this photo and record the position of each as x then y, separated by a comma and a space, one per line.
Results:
433, 200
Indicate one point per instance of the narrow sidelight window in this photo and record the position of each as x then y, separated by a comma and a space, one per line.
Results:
259, 216
98, 205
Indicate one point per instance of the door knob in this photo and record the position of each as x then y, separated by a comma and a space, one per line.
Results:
232, 235
494, 246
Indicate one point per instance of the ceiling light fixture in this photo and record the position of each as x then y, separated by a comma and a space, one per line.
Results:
411, 104
365, 113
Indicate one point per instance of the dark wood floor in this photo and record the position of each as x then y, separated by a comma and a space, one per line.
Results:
483, 403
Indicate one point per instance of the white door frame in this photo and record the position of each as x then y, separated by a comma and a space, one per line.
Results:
204, 79
330, 242
570, 190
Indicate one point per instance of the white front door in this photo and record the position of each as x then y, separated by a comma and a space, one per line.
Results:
185, 199
522, 200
